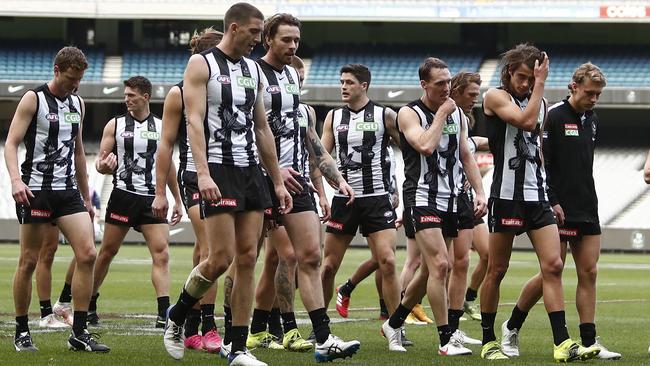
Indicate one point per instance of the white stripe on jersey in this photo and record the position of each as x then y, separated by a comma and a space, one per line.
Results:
185, 150
231, 94
136, 143
305, 118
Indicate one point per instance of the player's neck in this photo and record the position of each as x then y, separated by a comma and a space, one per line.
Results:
141, 114
54, 89
228, 48
574, 105
359, 103
276, 64
433, 107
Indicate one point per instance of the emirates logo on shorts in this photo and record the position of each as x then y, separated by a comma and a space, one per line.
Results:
117, 217
196, 196
335, 225
432, 218
568, 232
513, 221
226, 202
40, 213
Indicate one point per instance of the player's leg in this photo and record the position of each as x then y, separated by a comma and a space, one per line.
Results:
157, 238
480, 244
44, 279
333, 252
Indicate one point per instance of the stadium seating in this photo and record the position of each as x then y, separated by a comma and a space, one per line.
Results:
157, 66
389, 65
35, 63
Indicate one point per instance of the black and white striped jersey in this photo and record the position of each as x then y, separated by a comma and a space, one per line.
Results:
390, 160
185, 150
433, 181
135, 147
361, 141
50, 142
231, 94
518, 170
304, 118
281, 94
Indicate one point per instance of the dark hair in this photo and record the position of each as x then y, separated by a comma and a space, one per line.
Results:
272, 24
141, 83
240, 13
522, 54
205, 39
361, 72
70, 57
428, 64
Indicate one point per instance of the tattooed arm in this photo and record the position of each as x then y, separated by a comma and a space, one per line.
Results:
316, 176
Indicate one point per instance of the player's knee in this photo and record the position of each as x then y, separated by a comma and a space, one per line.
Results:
588, 274
329, 268
497, 271
553, 268
161, 258
216, 264
86, 256
461, 264
441, 267
290, 259
246, 259
387, 264
27, 262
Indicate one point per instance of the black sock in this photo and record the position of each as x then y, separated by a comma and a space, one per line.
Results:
397, 319
321, 324
275, 323
238, 336
487, 323
227, 324
92, 307
66, 293
46, 308
21, 325
347, 288
558, 324
185, 302
207, 318
454, 319
289, 321
163, 304
517, 318
79, 322
588, 334
382, 307
471, 294
260, 319
444, 332
192, 322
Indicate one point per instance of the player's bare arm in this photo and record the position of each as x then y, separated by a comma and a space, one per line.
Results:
17, 130
425, 141
171, 118
107, 161
320, 150
472, 171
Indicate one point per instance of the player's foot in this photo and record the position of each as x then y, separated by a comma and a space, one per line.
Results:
413, 320
64, 310
460, 336
244, 358
294, 342
472, 310
173, 338
509, 341
211, 341
86, 342
160, 322
569, 350
23, 343
52, 322
334, 347
405, 341
193, 342
92, 319
492, 351
262, 340
453, 348
394, 337
224, 352
418, 312
606, 354
342, 303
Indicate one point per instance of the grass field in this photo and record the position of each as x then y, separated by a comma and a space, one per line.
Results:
127, 307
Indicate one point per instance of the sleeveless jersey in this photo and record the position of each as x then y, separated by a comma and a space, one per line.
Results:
303, 114
361, 141
136, 143
433, 181
50, 142
518, 170
231, 94
185, 150
281, 94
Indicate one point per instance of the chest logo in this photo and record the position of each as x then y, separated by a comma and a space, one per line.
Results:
342, 128
244, 82
292, 89
451, 129
127, 134
150, 135
52, 117
571, 129
367, 126
223, 79
273, 89
71, 117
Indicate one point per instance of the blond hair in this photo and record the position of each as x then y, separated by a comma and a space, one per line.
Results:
588, 71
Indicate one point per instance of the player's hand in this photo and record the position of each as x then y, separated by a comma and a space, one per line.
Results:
286, 202
106, 162
559, 214
208, 189
90, 209
177, 213
325, 209
292, 185
394, 200
20, 192
480, 206
448, 107
541, 69
467, 186
345, 189
399, 221
160, 206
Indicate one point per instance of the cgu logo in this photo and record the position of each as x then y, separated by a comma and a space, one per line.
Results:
71, 117
302, 122
149, 135
273, 89
223, 79
52, 117
367, 126
248, 83
450, 129
292, 89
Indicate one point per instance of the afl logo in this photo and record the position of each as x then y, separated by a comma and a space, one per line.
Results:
273, 89
342, 128
127, 134
52, 117
223, 79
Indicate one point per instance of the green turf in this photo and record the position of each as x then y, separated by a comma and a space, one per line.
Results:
623, 316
